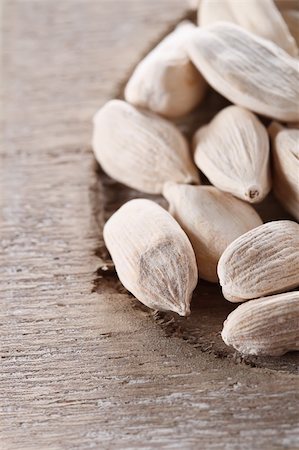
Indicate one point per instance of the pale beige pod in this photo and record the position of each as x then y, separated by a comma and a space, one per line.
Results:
140, 149
260, 17
262, 262
233, 152
166, 81
246, 69
268, 22
211, 219
285, 157
267, 326
153, 257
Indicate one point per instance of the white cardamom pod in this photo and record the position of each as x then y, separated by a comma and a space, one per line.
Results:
211, 219
267, 326
268, 23
248, 70
140, 149
166, 81
262, 262
153, 257
233, 152
285, 156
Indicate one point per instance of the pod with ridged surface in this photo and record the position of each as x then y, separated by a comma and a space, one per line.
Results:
262, 262
248, 70
211, 219
140, 149
267, 326
268, 22
153, 257
233, 152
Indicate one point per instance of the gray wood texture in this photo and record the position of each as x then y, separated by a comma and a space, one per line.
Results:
83, 365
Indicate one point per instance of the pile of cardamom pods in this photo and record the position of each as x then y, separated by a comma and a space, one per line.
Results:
246, 52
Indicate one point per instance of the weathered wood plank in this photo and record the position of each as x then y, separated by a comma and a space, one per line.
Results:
83, 369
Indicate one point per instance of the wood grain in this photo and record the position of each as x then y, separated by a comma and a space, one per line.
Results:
82, 364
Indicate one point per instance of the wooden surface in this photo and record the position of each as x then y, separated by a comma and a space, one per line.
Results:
83, 365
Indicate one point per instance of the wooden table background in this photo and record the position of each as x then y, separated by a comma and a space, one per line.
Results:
82, 364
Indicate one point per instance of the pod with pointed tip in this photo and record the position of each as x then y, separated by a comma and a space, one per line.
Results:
140, 149
248, 70
153, 257
211, 219
268, 326
233, 152
262, 262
